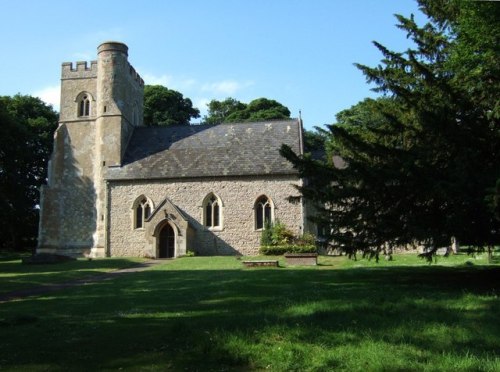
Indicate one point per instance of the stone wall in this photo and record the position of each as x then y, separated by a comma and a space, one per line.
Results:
238, 195
73, 202
67, 219
74, 81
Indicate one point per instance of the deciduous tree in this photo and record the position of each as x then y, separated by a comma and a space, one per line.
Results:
218, 111
233, 111
163, 106
26, 128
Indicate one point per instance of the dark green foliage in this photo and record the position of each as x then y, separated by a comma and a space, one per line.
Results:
218, 111
315, 142
493, 200
26, 130
266, 235
260, 109
280, 234
278, 250
277, 239
233, 111
420, 164
163, 106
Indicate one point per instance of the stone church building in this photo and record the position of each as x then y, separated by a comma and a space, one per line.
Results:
118, 188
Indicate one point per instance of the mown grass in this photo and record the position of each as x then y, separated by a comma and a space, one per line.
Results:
16, 276
202, 314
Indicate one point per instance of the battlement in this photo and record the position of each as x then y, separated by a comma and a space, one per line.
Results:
81, 70
84, 70
135, 75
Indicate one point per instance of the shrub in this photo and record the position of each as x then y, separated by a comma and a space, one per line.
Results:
278, 250
277, 239
306, 239
281, 235
303, 249
266, 236
273, 250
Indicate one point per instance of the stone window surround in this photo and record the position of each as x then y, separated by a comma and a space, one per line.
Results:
271, 205
84, 98
203, 206
139, 202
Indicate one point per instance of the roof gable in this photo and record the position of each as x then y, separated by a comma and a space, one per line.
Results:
240, 149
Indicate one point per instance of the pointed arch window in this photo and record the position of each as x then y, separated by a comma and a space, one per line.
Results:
212, 211
264, 212
142, 211
84, 106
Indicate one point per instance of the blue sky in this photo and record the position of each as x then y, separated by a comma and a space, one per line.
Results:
298, 52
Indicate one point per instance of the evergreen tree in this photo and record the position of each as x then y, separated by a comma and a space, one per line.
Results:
421, 162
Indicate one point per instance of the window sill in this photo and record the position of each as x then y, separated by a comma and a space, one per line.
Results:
215, 228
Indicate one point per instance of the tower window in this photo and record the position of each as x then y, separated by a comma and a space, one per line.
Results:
84, 106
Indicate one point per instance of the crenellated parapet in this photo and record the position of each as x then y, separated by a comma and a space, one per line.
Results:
135, 75
85, 70
80, 70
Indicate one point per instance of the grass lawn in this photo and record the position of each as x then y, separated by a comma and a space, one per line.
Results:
16, 276
210, 313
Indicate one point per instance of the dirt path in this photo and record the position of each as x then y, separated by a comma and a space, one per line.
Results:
48, 288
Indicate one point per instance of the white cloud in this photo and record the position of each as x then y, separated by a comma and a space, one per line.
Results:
150, 79
83, 56
191, 87
201, 104
50, 95
182, 85
225, 87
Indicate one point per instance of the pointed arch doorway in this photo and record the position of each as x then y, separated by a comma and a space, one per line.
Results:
166, 246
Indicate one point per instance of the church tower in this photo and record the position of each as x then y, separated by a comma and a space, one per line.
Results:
101, 103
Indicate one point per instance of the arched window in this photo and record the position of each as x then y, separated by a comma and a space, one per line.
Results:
264, 212
212, 211
84, 102
142, 211
84, 106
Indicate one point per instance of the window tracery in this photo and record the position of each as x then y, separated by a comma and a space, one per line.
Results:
264, 212
212, 212
142, 211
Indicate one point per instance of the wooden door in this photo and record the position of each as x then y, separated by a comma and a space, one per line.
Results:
167, 242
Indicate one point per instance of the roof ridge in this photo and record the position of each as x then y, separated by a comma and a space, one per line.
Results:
260, 122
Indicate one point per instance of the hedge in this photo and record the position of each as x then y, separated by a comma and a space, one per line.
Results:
277, 250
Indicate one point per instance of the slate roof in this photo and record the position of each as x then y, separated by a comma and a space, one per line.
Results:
241, 149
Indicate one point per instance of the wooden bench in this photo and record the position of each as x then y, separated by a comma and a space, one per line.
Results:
261, 263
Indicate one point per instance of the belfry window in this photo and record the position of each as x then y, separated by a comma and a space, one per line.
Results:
142, 211
212, 216
84, 106
263, 212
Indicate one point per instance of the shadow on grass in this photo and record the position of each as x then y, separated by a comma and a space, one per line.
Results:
15, 276
251, 319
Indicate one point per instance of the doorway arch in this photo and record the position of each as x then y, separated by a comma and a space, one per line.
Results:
166, 245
